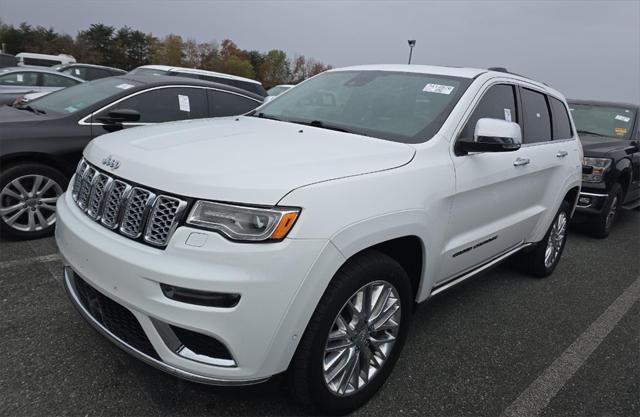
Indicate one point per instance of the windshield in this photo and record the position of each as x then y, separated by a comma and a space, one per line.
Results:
398, 106
73, 99
614, 122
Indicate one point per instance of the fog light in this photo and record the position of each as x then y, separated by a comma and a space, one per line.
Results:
585, 200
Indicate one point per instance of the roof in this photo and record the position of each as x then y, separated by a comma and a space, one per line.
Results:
47, 70
70, 64
159, 80
199, 71
603, 103
420, 69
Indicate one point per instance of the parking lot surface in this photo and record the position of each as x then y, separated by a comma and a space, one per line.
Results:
502, 344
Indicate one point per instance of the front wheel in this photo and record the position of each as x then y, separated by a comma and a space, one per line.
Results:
542, 259
354, 336
28, 195
600, 226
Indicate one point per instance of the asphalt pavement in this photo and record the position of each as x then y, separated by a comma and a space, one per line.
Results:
502, 344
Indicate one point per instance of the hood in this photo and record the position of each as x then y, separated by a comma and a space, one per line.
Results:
241, 159
10, 114
594, 145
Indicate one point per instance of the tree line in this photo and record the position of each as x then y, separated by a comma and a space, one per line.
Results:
127, 48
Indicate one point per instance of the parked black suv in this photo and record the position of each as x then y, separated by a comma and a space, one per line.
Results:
88, 72
42, 141
610, 135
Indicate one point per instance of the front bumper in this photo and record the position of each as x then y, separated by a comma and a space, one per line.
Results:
591, 202
279, 285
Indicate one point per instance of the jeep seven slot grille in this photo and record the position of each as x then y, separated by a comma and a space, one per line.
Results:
135, 212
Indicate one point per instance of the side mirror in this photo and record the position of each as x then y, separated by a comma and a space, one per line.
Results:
120, 116
491, 135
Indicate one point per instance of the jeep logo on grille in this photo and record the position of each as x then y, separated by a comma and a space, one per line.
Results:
110, 162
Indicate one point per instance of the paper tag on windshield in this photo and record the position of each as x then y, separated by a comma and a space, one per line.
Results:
20, 77
183, 102
622, 118
620, 131
507, 115
77, 71
124, 86
437, 88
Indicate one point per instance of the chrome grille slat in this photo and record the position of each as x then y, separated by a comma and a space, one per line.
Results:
124, 208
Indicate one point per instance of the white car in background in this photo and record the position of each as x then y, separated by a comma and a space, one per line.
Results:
300, 236
18, 81
43, 60
217, 77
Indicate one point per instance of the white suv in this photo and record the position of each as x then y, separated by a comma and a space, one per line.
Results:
300, 236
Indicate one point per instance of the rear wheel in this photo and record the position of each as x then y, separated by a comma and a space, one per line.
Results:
542, 259
28, 195
355, 335
600, 226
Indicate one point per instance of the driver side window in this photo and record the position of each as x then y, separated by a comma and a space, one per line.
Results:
498, 102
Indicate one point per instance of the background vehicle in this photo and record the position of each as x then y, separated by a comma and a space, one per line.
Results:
610, 135
88, 72
309, 228
279, 89
8, 60
43, 60
18, 81
22, 100
248, 84
42, 142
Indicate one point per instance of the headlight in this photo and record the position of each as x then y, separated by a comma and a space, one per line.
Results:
594, 168
244, 223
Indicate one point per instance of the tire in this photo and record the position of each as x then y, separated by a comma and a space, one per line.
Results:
600, 226
535, 261
23, 213
307, 377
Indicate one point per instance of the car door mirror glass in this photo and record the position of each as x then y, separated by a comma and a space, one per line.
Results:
491, 135
120, 116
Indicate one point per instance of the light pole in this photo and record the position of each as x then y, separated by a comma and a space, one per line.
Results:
412, 43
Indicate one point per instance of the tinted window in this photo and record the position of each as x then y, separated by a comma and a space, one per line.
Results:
227, 104
536, 117
167, 104
561, 124
19, 79
39, 62
96, 73
52, 80
499, 102
80, 72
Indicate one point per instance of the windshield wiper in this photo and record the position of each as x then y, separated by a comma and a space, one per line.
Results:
587, 132
325, 125
264, 116
30, 108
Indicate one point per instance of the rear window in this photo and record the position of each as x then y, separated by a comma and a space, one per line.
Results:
607, 121
40, 62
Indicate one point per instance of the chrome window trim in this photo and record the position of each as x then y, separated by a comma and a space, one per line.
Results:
84, 122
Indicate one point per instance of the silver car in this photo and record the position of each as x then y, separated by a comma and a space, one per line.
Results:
18, 81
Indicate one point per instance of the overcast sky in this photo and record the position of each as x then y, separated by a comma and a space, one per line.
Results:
588, 49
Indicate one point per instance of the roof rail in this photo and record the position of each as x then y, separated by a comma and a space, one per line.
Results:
503, 69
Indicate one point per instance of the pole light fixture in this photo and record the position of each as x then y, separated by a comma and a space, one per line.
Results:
412, 43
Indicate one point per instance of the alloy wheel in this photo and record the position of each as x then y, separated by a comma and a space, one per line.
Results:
28, 203
361, 338
556, 239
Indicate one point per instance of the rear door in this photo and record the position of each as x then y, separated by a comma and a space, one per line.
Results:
495, 202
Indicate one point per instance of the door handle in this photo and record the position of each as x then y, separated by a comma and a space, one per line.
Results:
562, 154
520, 162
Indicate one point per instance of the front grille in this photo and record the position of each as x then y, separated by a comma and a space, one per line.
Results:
113, 316
135, 212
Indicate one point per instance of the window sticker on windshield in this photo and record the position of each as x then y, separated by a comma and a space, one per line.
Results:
20, 77
183, 102
124, 86
507, 115
620, 131
70, 109
77, 71
622, 118
437, 88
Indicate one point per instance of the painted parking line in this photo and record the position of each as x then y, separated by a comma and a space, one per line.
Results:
538, 395
28, 261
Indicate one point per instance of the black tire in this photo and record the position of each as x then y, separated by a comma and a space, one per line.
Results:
306, 378
6, 200
600, 226
532, 261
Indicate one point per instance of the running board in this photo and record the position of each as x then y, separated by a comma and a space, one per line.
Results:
455, 281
